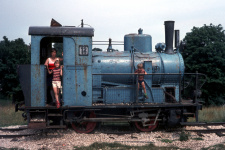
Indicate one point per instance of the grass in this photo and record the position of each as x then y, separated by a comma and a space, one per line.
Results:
2, 148
211, 114
8, 116
107, 146
166, 141
215, 147
198, 139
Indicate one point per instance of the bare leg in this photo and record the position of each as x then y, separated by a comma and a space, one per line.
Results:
55, 89
58, 91
143, 86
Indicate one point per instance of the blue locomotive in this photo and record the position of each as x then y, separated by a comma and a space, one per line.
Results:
101, 86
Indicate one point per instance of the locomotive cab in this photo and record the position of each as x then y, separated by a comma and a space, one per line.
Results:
77, 79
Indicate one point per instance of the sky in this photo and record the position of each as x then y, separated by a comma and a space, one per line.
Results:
110, 19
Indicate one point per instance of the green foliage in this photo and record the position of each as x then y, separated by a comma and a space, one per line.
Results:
59, 48
198, 139
166, 141
12, 53
184, 136
215, 147
97, 146
3, 148
205, 53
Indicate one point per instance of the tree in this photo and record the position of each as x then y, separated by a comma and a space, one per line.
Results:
59, 48
205, 53
12, 53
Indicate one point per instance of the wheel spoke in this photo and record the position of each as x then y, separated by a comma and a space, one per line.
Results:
149, 128
85, 127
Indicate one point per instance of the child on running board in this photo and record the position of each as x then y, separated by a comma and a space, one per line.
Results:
56, 81
141, 82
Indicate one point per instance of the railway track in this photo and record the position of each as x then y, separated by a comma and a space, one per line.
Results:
206, 128
219, 132
8, 132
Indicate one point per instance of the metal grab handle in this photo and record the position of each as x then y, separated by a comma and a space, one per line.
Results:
149, 90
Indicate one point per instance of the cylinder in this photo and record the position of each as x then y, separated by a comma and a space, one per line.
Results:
169, 29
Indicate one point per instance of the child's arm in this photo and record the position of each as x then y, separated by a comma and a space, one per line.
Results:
60, 59
135, 72
61, 69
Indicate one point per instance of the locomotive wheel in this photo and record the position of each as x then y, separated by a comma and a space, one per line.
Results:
142, 128
84, 127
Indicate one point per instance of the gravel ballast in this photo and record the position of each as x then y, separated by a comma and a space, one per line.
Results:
67, 139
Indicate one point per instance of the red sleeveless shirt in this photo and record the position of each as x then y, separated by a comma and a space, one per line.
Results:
51, 64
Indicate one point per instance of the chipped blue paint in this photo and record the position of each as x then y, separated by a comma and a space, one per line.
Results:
38, 74
77, 73
38, 84
141, 42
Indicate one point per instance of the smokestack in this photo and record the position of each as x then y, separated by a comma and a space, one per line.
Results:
169, 29
177, 38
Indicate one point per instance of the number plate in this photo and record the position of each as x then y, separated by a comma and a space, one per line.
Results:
83, 50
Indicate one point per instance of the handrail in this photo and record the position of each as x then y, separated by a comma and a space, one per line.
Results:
136, 74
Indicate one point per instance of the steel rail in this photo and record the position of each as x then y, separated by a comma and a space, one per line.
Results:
13, 129
202, 123
15, 135
207, 129
218, 132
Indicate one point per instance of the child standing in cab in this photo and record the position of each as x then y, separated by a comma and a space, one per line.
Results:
141, 82
56, 81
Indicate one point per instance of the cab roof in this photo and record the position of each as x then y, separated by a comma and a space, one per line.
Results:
61, 31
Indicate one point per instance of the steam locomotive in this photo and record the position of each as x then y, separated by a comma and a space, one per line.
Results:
102, 86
